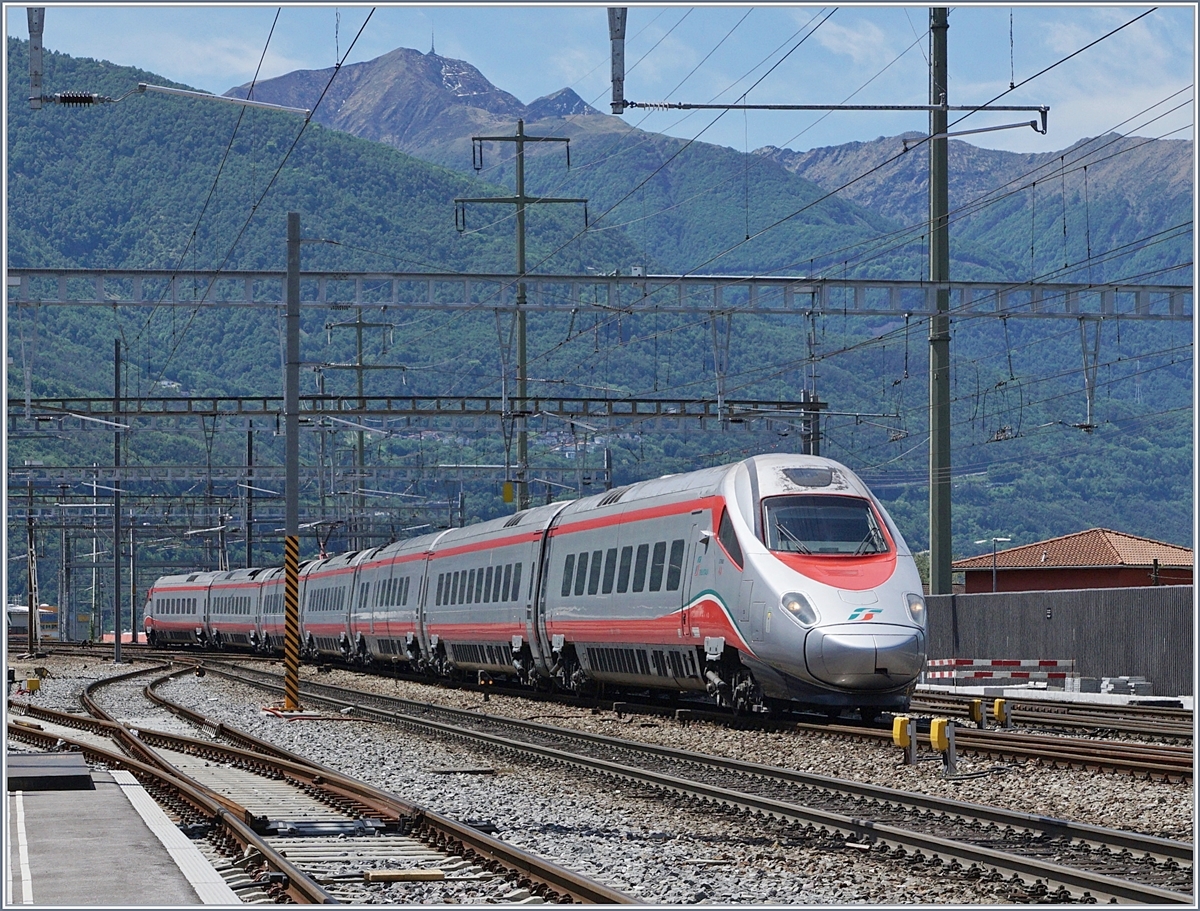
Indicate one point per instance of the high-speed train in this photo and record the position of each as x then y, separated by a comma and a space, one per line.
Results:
776, 580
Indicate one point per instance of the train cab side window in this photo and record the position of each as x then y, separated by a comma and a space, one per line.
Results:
507, 582
496, 580
471, 587
675, 565
623, 573
656, 565
728, 538
639, 567
404, 593
581, 575
610, 570
594, 578
438, 599
479, 586
487, 585
516, 585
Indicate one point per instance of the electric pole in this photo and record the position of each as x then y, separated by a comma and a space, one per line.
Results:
291, 458
116, 504
939, 324
521, 406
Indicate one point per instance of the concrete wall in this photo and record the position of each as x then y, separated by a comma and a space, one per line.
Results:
1109, 632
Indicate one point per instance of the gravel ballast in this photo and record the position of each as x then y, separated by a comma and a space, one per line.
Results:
658, 849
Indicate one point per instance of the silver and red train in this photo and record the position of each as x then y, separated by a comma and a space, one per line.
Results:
776, 580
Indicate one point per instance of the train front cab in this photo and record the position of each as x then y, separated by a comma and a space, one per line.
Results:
837, 616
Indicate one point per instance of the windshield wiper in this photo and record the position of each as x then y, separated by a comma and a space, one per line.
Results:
791, 537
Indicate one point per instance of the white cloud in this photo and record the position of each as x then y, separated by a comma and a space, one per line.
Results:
862, 41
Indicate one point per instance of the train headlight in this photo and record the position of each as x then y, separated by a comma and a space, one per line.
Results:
916, 607
801, 608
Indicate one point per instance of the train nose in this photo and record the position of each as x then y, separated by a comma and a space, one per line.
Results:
881, 658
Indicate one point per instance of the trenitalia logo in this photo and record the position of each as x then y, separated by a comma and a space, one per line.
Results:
863, 613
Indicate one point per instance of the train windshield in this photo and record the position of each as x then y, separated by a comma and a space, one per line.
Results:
822, 525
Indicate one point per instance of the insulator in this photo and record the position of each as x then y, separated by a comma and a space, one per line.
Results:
76, 98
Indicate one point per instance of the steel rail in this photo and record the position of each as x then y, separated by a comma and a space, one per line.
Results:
557, 879
1151, 721
865, 830
296, 884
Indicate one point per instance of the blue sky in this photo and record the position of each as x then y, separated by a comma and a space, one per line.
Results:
863, 54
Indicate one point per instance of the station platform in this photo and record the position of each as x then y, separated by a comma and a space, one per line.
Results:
78, 838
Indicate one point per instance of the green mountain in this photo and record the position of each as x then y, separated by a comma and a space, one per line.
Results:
162, 182
1065, 215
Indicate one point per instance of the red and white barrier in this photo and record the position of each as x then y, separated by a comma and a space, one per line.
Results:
1000, 669
1067, 663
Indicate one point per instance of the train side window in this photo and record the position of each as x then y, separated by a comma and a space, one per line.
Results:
479, 587
487, 586
461, 594
496, 580
656, 565
507, 582
581, 575
675, 565
639, 567
728, 538
568, 572
610, 570
438, 599
471, 587
404, 594
594, 578
516, 587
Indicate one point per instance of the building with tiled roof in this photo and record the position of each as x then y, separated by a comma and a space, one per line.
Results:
1096, 558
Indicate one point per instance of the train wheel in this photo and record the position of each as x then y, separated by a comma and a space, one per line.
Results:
746, 695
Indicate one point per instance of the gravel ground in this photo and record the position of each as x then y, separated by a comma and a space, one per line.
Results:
634, 840
1114, 801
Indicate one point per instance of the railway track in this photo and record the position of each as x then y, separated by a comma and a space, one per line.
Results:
320, 836
1046, 859
1149, 721
1161, 761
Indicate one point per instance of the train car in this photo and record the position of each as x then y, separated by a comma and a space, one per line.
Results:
235, 603
176, 611
272, 619
478, 614
327, 594
778, 580
386, 628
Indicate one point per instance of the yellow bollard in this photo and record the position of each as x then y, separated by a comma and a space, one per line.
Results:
975, 709
900, 731
937, 735
941, 738
1000, 712
32, 685
904, 735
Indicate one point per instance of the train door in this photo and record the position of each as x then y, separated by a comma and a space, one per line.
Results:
691, 557
530, 599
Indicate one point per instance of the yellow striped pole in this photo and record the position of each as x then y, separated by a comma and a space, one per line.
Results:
291, 629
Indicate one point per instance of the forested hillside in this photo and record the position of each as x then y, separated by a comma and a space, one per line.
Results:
136, 185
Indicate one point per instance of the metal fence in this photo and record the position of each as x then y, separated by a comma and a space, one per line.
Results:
1110, 632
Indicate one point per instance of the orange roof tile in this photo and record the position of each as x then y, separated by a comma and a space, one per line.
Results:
1094, 547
